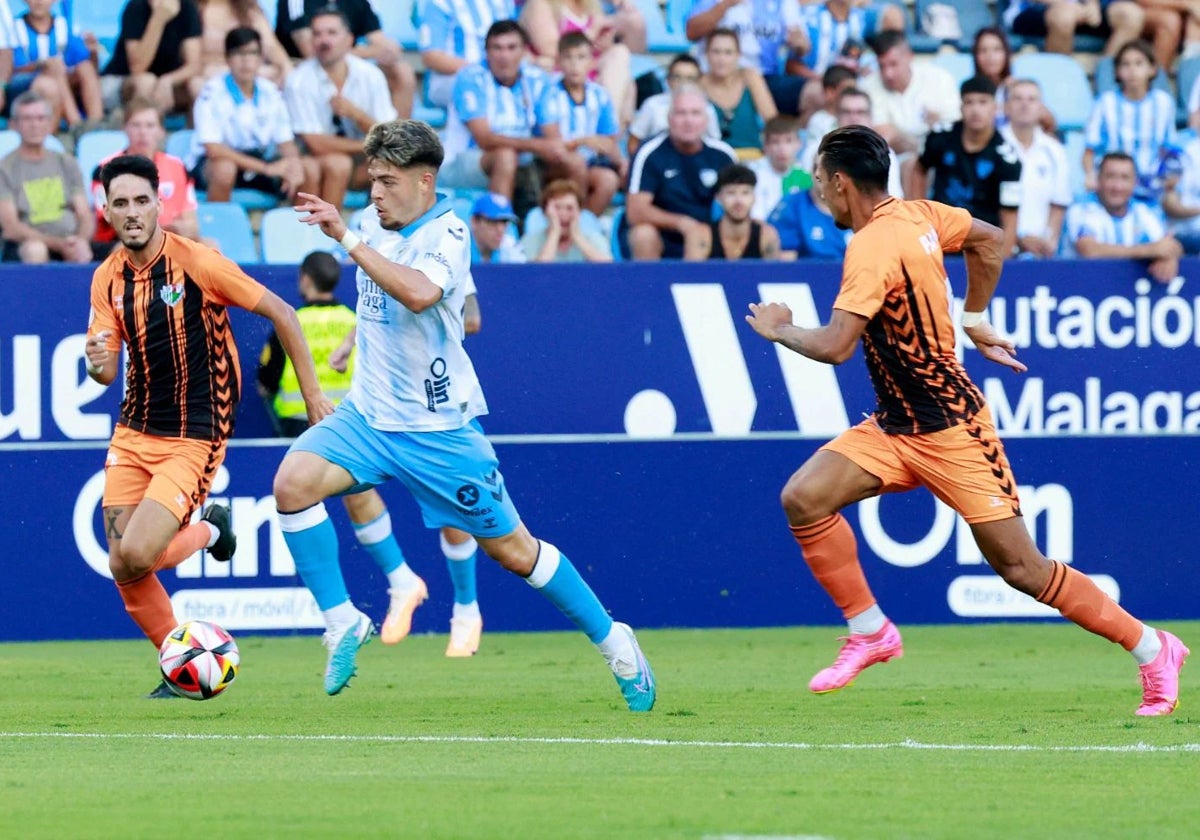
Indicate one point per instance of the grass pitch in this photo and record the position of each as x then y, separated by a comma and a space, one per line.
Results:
983, 731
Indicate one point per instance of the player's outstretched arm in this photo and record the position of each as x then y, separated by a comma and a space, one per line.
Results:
833, 343
983, 250
291, 336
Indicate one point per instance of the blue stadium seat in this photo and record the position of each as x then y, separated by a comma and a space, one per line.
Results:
1186, 76
9, 140
659, 39
287, 240
397, 19
1065, 86
960, 65
102, 19
435, 115
228, 224
95, 146
179, 143
1075, 144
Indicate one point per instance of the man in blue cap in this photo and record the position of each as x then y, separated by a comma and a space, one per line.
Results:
492, 237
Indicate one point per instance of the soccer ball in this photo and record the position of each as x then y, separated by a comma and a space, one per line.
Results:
198, 659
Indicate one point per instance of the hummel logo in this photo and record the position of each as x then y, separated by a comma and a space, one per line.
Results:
995, 501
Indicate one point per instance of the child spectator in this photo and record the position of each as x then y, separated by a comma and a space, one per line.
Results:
781, 145
46, 47
581, 114
735, 236
563, 238
1135, 119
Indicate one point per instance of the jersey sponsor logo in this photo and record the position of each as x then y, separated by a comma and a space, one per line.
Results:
171, 293
437, 387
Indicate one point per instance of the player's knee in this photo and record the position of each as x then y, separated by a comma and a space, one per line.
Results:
336, 165
33, 252
291, 487
645, 241
502, 160
801, 502
221, 172
137, 558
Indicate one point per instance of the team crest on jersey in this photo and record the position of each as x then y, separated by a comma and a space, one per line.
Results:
166, 189
708, 177
983, 168
171, 293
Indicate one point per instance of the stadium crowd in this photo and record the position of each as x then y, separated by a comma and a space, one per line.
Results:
573, 132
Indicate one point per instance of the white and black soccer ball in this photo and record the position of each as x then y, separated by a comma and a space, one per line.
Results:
199, 660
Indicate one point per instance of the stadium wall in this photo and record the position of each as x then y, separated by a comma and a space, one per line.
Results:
645, 429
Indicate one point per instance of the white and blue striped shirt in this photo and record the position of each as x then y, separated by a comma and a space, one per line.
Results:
458, 27
827, 34
510, 111
1141, 224
1145, 130
594, 116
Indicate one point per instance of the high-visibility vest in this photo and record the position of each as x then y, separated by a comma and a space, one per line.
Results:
325, 327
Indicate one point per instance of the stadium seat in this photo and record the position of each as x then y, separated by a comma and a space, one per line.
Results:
435, 115
1065, 86
228, 224
973, 15
397, 19
100, 18
1075, 144
1186, 76
94, 147
179, 143
958, 64
1106, 77
9, 140
287, 240
658, 38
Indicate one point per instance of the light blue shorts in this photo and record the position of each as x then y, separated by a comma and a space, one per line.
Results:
453, 475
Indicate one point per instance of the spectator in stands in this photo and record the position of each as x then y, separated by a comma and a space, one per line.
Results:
1169, 22
672, 180
450, 37
176, 191
1181, 197
806, 227
43, 208
735, 236
739, 94
763, 30
243, 135
1058, 21
781, 145
854, 108
493, 114
1045, 173
50, 58
333, 99
823, 119
1136, 119
974, 167
581, 114
992, 55
908, 100
564, 238
294, 29
492, 241
545, 21
7, 42
1112, 224
220, 17
651, 118
156, 56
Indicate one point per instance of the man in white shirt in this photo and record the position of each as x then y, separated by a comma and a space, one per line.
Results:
651, 117
243, 134
334, 98
411, 410
1045, 172
1112, 225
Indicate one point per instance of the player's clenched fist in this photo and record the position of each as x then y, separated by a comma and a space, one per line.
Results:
768, 318
98, 354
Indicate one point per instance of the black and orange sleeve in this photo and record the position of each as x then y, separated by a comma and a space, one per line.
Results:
103, 316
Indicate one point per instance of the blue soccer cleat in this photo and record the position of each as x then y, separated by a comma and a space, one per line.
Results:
635, 678
343, 650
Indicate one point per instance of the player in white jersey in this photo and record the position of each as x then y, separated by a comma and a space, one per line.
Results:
410, 412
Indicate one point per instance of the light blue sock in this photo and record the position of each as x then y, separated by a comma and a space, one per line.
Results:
314, 545
460, 561
377, 538
560, 582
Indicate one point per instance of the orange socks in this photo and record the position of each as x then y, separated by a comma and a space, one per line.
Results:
149, 606
183, 545
1075, 596
831, 553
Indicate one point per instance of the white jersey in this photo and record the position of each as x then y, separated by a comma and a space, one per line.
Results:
412, 373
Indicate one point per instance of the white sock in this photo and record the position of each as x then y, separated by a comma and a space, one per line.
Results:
213, 534
867, 623
617, 648
343, 615
470, 610
1148, 648
402, 577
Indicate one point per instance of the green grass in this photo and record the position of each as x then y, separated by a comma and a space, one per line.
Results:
266, 771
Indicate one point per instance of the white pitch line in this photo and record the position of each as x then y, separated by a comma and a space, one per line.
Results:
907, 744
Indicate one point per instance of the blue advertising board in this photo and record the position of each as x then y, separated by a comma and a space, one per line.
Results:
645, 429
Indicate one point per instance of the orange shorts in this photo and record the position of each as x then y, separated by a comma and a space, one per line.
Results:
175, 472
964, 465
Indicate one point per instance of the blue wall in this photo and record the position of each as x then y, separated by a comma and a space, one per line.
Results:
646, 430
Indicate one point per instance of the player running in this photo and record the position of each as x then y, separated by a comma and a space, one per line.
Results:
165, 298
931, 426
411, 409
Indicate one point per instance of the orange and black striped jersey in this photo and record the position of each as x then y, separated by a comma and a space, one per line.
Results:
894, 276
182, 377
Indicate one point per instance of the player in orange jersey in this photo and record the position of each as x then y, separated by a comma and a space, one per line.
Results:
931, 426
165, 298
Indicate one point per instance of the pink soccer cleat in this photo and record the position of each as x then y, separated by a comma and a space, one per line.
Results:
859, 651
1160, 678
399, 617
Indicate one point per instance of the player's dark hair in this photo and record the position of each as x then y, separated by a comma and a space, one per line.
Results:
837, 74
977, 84
1117, 157
241, 36
859, 153
322, 268
141, 167
888, 40
726, 32
332, 10
504, 27
573, 40
735, 174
